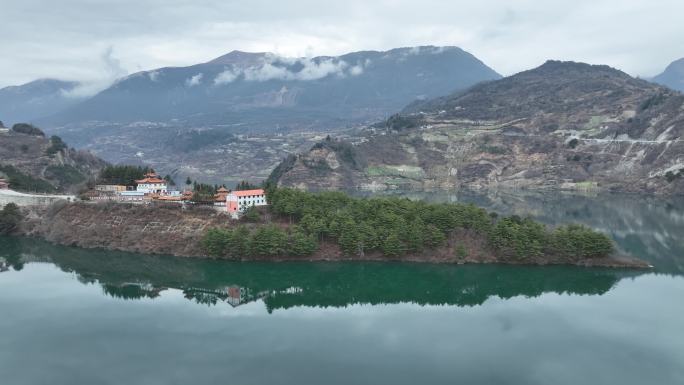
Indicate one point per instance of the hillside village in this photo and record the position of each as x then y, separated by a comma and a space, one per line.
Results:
39, 171
153, 188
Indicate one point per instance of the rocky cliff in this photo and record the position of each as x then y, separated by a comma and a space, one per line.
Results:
563, 125
33, 162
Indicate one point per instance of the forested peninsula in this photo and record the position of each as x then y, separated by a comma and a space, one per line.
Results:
324, 226
301, 224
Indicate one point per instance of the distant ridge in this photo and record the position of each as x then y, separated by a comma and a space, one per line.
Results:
36, 99
673, 76
562, 125
262, 89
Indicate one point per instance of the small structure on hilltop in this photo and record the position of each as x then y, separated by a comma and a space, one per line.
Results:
4, 184
175, 196
110, 187
150, 188
151, 184
220, 196
105, 192
134, 196
99, 195
239, 201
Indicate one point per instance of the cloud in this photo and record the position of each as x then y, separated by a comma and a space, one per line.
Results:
289, 69
356, 70
66, 37
153, 75
225, 77
112, 70
113, 65
318, 70
194, 80
267, 71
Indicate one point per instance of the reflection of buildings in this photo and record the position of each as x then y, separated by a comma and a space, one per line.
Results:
233, 295
132, 290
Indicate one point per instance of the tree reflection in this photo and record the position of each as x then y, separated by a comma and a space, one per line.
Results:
285, 285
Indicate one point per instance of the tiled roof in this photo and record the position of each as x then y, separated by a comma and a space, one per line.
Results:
170, 198
150, 180
245, 193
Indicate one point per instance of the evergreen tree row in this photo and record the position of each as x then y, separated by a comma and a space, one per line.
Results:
396, 226
264, 241
399, 226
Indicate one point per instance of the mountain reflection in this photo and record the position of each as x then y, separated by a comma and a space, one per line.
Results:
286, 285
647, 227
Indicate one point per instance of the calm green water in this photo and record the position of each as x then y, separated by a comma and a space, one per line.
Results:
70, 316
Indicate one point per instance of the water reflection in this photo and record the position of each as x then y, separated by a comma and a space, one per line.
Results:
286, 285
650, 228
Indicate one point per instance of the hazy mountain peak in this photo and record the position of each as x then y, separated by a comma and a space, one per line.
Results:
555, 84
677, 65
46, 84
426, 49
673, 76
35, 99
240, 58
559, 67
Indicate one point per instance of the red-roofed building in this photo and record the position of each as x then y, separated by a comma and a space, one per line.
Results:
4, 184
220, 196
238, 201
151, 184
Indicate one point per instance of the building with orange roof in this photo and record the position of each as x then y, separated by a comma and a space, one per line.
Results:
239, 201
151, 184
220, 196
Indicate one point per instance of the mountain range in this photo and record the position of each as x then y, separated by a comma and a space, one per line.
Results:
262, 91
236, 116
562, 125
185, 120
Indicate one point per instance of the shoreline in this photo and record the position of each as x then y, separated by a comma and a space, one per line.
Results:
163, 230
617, 262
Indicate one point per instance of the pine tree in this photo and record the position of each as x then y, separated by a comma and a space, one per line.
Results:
10, 216
302, 244
392, 246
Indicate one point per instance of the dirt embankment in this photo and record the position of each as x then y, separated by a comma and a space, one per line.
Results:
171, 230
148, 229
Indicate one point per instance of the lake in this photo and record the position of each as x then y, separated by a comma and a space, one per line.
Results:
72, 316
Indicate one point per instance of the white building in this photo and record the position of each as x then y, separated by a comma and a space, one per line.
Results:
132, 196
152, 184
238, 201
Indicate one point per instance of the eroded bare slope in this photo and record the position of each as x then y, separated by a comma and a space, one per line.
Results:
563, 125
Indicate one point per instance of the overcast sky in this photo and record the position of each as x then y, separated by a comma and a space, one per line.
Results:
98, 40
